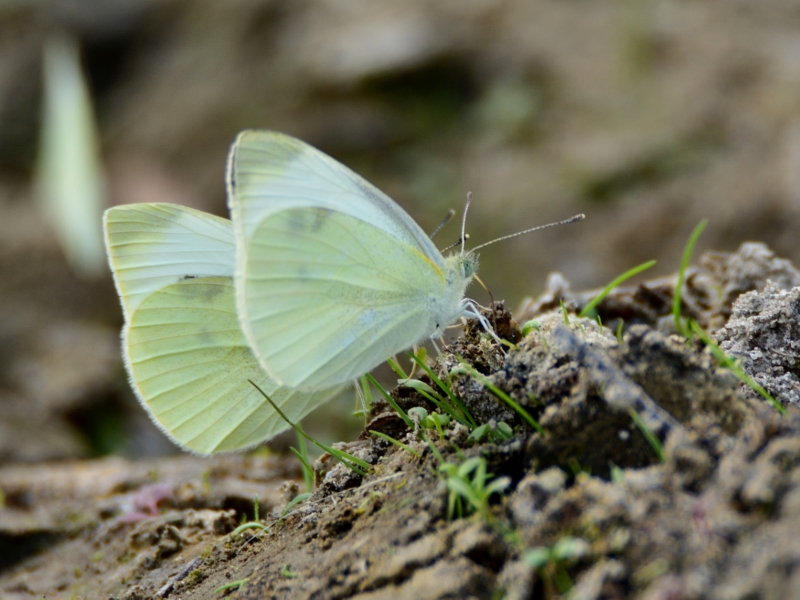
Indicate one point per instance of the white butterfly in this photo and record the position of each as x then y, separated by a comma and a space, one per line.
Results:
332, 276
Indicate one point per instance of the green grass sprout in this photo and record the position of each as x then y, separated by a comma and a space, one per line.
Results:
425, 420
363, 396
308, 470
233, 585
391, 401
438, 421
353, 463
564, 311
500, 394
654, 442
397, 443
728, 362
254, 524
287, 572
456, 402
528, 326
428, 392
434, 450
549, 562
469, 488
576, 467
615, 283
501, 432
299, 499
395, 366
687, 255
620, 325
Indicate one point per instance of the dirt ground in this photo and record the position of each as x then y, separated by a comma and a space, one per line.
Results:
646, 116
590, 507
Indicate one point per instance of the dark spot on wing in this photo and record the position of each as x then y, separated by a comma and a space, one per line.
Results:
308, 220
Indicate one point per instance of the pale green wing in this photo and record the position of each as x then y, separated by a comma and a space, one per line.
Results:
327, 297
332, 276
269, 172
153, 245
192, 368
184, 350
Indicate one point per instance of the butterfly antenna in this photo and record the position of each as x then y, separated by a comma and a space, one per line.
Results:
464, 223
450, 214
580, 217
459, 242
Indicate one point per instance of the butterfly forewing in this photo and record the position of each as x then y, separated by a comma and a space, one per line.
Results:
328, 297
269, 172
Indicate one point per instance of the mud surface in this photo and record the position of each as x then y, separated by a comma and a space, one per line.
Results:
710, 508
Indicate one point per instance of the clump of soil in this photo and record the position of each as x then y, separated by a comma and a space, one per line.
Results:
656, 475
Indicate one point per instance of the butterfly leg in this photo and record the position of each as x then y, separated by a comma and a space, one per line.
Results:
471, 309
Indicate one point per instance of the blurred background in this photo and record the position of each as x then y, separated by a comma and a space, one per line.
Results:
647, 115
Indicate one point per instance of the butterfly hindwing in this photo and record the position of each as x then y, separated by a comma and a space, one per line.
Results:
184, 350
192, 367
152, 245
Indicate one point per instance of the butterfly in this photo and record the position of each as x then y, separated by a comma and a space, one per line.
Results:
332, 276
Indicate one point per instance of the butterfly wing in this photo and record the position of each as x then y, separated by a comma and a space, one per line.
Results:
184, 350
332, 276
150, 246
269, 172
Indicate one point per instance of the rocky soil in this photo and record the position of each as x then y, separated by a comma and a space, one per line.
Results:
590, 507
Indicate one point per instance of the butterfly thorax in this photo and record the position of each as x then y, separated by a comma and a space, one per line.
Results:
459, 271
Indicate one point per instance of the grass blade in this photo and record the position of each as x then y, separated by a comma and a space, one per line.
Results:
352, 462
501, 395
470, 421
409, 423
654, 442
397, 443
687, 255
729, 362
615, 283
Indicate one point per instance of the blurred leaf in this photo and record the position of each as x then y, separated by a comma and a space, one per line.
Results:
69, 176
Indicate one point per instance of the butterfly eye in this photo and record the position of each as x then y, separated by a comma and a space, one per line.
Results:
468, 265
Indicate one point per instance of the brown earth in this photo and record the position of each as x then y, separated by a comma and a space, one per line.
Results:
590, 505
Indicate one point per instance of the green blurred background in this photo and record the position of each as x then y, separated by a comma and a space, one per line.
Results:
647, 115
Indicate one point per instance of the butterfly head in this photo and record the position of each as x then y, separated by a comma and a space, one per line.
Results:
462, 267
